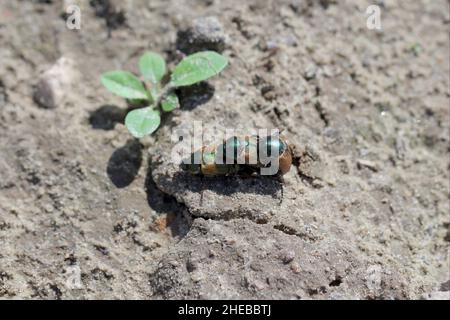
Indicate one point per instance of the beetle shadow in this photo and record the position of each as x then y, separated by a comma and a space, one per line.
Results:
124, 163
229, 185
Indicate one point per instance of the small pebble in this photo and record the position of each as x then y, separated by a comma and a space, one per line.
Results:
48, 208
197, 276
295, 267
288, 256
53, 84
367, 164
205, 33
310, 72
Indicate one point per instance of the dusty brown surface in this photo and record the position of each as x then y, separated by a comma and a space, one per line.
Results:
365, 214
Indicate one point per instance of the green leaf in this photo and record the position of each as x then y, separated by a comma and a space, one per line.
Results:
154, 92
124, 84
141, 122
197, 67
170, 102
152, 67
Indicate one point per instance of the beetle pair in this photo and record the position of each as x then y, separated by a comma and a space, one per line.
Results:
243, 156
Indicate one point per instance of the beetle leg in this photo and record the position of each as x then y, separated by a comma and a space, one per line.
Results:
282, 193
201, 192
279, 177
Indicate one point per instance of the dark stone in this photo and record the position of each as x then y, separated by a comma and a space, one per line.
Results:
205, 34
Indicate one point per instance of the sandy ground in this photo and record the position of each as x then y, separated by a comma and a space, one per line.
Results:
86, 211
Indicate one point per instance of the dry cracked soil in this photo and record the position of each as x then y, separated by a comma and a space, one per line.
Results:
88, 212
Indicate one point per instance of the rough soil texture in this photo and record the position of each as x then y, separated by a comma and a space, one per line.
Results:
88, 212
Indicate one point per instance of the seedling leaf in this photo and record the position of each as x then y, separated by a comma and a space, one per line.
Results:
170, 102
152, 67
124, 84
141, 122
154, 92
197, 67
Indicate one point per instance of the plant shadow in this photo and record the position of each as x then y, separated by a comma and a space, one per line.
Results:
195, 95
124, 163
106, 117
165, 205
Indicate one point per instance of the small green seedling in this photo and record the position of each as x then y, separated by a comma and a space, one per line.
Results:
192, 69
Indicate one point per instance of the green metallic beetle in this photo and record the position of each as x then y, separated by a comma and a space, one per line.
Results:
245, 155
